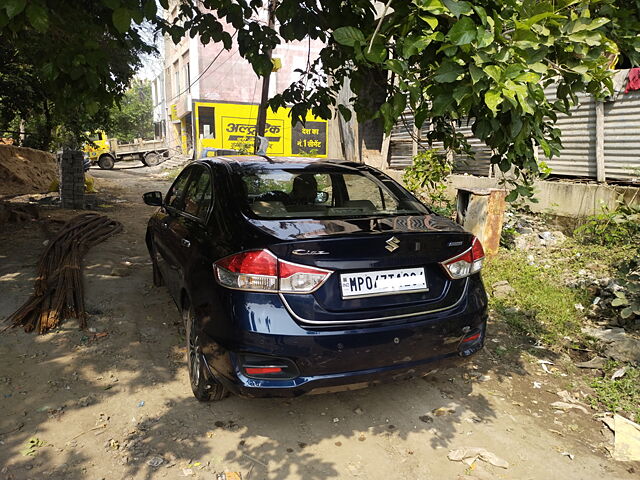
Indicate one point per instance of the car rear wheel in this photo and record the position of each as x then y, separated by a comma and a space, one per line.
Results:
204, 389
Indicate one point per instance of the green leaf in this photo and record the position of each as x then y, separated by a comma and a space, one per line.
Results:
377, 54
431, 21
448, 72
539, 67
113, 4
346, 113
528, 77
396, 66
398, 103
616, 302
14, 7
150, 9
38, 17
441, 104
476, 73
460, 92
493, 98
458, 7
541, 16
494, 72
580, 68
414, 44
512, 196
463, 32
626, 312
516, 125
122, 19
348, 36
434, 6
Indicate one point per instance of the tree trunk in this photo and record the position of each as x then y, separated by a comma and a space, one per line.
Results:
371, 132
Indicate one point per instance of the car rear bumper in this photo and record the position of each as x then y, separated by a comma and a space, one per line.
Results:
339, 359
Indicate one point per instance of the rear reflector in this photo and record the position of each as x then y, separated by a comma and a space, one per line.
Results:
261, 270
262, 370
467, 263
471, 338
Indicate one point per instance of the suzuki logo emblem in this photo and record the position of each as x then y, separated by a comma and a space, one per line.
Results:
393, 244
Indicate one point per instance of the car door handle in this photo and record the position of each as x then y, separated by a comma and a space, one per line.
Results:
185, 242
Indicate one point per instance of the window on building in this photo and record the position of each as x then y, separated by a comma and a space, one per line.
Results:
187, 77
206, 127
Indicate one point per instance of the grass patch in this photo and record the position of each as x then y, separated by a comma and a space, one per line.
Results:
541, 306
173, 173
621, 395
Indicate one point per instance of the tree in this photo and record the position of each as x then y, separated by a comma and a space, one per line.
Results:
485, 62
447, 60
132, 117
64, 63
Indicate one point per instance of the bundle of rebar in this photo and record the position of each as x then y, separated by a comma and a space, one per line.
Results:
58, 291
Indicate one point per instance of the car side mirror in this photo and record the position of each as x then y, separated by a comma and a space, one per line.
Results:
153, 198
322, 197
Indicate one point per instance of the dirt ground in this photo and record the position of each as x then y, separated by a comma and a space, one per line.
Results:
114, 402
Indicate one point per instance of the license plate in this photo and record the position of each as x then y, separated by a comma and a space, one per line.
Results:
383, 282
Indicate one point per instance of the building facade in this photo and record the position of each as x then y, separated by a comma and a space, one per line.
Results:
202, 83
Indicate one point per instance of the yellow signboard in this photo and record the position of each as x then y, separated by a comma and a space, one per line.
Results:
173, 113
232, 126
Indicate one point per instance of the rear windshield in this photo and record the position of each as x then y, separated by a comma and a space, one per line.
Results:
295, 193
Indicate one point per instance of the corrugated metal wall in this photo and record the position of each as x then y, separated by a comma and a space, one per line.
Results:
578, 155
401, 145
401, 148
622, 137
480, 163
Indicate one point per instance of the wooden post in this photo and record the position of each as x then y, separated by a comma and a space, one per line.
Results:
600, 168
262, 110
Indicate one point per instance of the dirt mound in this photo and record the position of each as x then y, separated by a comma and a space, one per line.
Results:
25, 170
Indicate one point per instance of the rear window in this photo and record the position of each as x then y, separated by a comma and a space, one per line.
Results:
295, 193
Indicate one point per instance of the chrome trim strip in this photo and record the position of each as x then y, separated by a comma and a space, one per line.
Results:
378, 319
383, 294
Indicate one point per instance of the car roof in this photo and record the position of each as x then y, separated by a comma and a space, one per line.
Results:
241, 162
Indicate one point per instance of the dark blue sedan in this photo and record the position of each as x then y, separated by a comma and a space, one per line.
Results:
306, 276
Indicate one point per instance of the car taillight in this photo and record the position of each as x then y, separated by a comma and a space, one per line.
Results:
467, 263
296, 278
261, 270
252, 270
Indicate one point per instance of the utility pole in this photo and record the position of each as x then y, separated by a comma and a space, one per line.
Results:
262, 111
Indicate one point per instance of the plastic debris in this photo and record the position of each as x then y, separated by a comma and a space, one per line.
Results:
537, 385
32, 446
155, 461
619, 373
567, 454
229, 476
544, 364
140, 404
627, 440
439, 412
469, 455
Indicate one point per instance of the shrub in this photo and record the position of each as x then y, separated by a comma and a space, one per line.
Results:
426, 178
